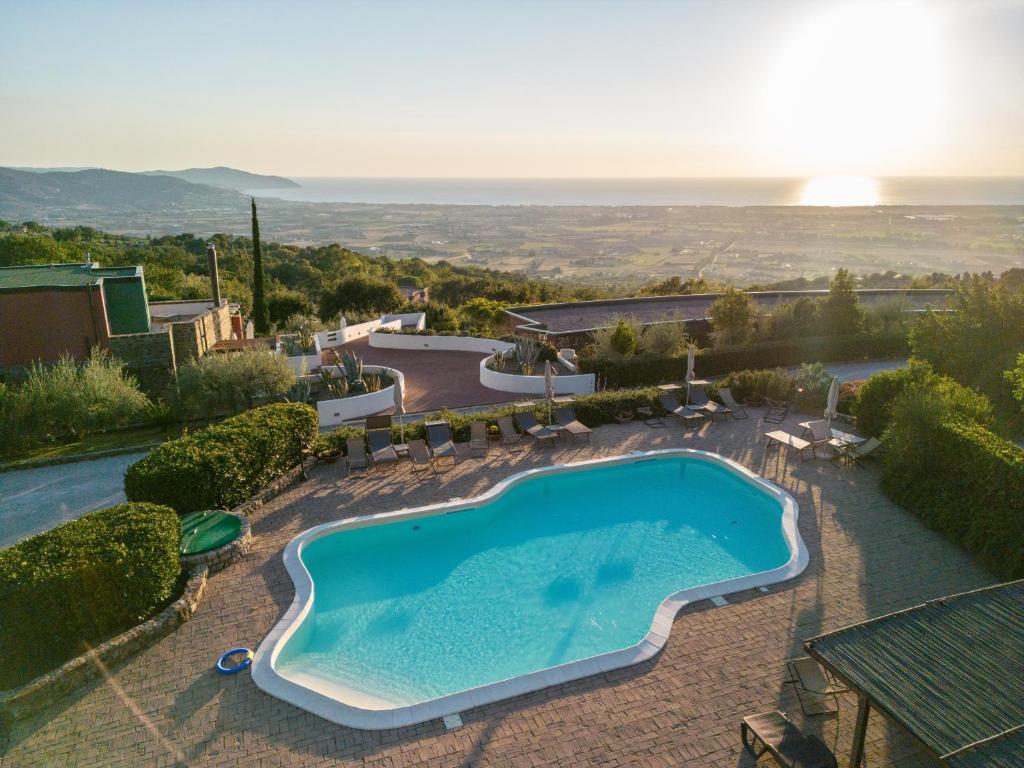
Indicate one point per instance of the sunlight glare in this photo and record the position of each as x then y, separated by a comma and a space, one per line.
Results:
840, 191
856, 87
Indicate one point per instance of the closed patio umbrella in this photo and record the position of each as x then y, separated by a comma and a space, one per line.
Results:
399, 391
832, 400
690, 362
549, 385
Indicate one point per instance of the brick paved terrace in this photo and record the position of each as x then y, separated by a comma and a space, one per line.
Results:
168, 707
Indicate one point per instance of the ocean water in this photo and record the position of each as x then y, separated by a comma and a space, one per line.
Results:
625, 192
561, 568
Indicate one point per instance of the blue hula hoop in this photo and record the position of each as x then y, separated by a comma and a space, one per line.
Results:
243, 664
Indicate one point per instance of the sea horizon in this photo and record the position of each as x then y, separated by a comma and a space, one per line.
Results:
624, 192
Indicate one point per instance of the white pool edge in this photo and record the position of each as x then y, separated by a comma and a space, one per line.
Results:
324, 699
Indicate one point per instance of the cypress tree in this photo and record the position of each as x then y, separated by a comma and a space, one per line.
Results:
260, 316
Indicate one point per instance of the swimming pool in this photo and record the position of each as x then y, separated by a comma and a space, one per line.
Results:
552, 575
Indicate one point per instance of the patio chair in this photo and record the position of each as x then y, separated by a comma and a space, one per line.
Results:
527, 421
778, 410
690, 418
419, 455
509, 435
854, 453
478, 438
567, 418
382, 450
818, 433
356, 450
776, 734
817, 690
439, 437
739, 410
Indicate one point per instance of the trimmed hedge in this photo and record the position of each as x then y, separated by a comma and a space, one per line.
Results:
645, 370
962, 480
82, 583
225, 464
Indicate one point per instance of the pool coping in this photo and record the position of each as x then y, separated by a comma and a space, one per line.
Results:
323, 699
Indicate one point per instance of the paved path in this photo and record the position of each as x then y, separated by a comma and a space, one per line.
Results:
168, 707
36, 500
434, 379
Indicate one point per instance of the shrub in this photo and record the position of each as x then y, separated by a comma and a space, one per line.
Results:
649, 369
958, 476
877, 397
732, 316
225, 464
664, 340
228, 383
81, 583
757, 386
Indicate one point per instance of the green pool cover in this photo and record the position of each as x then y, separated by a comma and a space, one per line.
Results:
206, 530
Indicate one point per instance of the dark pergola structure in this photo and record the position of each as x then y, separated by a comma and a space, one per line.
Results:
950, 671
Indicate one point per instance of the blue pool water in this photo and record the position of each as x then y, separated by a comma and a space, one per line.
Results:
560, 568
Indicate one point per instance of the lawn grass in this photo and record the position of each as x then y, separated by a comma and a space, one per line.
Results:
124, 439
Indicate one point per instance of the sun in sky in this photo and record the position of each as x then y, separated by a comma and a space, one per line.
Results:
853, 87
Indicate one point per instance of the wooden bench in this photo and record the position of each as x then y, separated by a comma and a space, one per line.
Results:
777, 735
786, 440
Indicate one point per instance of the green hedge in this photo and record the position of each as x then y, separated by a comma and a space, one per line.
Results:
225, 464
649, 369
962, 480
82, 583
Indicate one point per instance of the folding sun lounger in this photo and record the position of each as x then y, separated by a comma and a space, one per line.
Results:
739, 411
478, 439
509, 436
777, 411
708, 406
356, 450
567, 418
855, 453
690, 418
775, 733
529, 424
420, 457
382, 451
439, 437
781, 439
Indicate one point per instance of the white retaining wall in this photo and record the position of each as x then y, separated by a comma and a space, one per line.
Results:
348, 333
578, 384
443, 343
334, 412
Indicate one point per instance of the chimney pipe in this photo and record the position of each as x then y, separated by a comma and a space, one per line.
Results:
211, 260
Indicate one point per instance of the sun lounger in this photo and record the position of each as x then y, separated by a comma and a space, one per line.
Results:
701, 402
527, 421
775, 733
439, 436
691, 418
382, 450
356, 450
509, 436
781, 440
478, 438
420, 457
567, 418
777, 411
816, 689
739, 411
854, 453
817, 432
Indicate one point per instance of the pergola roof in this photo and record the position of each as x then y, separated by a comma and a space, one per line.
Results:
951, 671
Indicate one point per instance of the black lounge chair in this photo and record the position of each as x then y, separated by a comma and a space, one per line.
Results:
439, 437
509, 436
567, 418
701, 402
776, 734
739, 410
691, 418
777, 411
382, 450
419, 455
527, 421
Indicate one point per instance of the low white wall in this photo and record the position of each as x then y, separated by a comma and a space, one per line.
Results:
417, 320
443, 343
578, 384
334, 412
303, 364
349, 333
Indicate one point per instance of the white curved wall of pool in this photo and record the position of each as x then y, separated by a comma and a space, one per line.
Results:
552, 575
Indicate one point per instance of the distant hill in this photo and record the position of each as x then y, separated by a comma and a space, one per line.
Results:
228, 178
30, 195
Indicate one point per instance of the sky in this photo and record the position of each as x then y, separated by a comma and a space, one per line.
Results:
517, 89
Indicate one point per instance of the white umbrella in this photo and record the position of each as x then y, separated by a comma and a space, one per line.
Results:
690, 375
832, 400
549, 385
399, 390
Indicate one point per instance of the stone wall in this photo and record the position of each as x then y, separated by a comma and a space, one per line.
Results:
193, 338
150, 357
